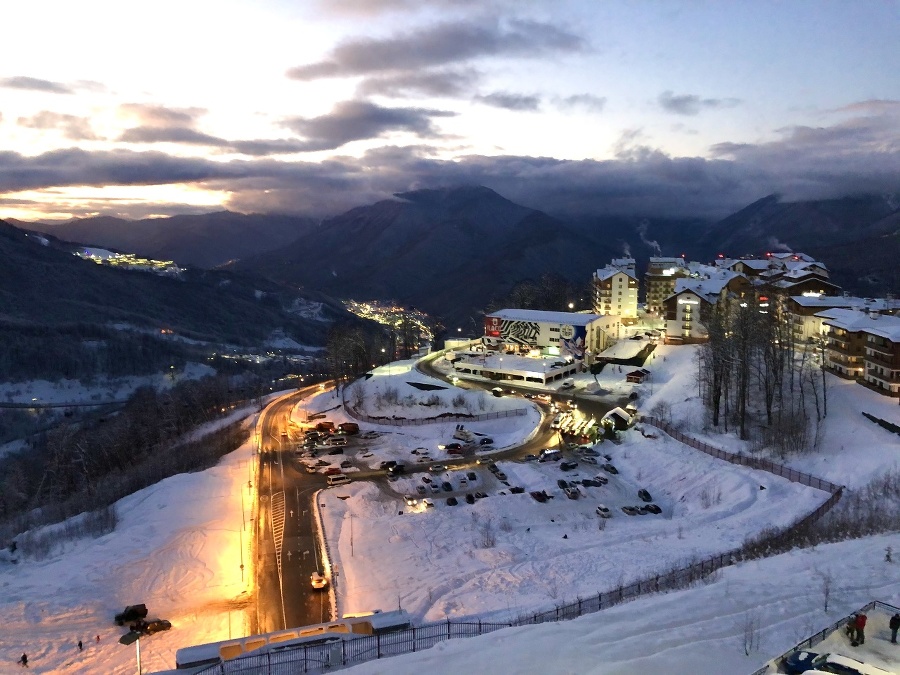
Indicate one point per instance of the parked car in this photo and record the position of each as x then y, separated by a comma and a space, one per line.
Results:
493, 468
644, 495
421, 490
470, 498
572, 492
446, 486
803, 661
435, 488
472, 476
589, 452
317, 581
396, 470
332, 471
131, 613
348, 428
530, 458
388, 464
562, 483
437, 468
588, 460
426, 479
516, 490
600, 478
538, 496
150, 627
501, 476
453, 446
568, 466
451, 501
603, 511
455, 451
486, 441
609, 468
630, 510
346, 464
652, 508
480, 495
428, 503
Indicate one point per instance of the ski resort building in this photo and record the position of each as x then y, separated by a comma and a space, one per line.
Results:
864, 346
693, 297
659, 281
551, 333
616, 290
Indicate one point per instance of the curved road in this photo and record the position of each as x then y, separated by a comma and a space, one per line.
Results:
287, 547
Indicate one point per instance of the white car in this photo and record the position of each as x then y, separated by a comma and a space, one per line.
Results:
317, 581
603, 511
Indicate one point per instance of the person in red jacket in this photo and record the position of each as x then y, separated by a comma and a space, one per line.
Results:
861, 628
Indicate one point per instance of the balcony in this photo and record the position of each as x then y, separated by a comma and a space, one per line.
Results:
878, 359
841, 349
886, 349
891, 378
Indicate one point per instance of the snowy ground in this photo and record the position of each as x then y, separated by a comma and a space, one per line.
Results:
177, 548
699, 630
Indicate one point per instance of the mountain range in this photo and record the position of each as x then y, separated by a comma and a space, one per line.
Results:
452, 251
43, 284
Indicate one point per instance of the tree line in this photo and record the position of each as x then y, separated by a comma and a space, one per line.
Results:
752, 362
84, 465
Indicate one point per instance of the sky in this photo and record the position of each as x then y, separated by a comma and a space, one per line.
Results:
665, 108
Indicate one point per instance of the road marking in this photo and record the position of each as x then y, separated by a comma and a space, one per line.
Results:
278, 526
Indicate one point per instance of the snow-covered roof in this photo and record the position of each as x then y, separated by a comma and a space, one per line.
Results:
627, 263
609, 271
570, 318
706, 289
847, 302
754, 264
855, 321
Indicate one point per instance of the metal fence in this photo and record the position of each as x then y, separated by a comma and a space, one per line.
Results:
813, 640
303, 659
744, 460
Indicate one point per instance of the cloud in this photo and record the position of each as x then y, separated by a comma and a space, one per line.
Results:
854, 156
440, 45
35, 84
72, 127
588, 102
507, 101
429, 83
691, 104
360, 120
371, 7
154, 115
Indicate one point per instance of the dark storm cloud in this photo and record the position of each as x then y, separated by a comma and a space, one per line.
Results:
359, 120
507, 101
691, 104
439, 45
588, 102
35, 84
855, 155
439, 83
72, 127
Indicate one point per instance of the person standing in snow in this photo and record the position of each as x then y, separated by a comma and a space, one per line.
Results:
894, 625
80, 646
861, 628
24, 660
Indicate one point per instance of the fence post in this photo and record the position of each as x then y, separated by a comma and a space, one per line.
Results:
378, 645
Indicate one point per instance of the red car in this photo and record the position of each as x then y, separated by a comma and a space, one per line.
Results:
331, 471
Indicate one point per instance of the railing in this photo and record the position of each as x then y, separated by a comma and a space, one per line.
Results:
813, 640
744, 460
304, 659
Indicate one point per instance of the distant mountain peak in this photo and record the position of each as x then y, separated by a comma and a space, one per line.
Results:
435, 196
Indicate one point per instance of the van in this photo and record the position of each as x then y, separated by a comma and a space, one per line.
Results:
550, 454
337, 442
348, 428
567, 383
337, 479
497, 391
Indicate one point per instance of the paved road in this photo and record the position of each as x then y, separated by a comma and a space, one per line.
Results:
287, 547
